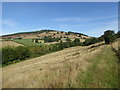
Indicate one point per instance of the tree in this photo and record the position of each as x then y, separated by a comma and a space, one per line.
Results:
77, 41
109, 36
79, 35
36, 40
62, 32
117, 35
68, 39
90, 41
101, 38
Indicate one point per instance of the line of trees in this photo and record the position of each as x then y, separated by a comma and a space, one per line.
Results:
91, 41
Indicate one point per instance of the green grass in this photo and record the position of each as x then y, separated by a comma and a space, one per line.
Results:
27, 42
103, 73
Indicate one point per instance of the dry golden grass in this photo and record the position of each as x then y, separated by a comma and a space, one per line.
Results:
9, 43
115, 45
58, 69
0, 78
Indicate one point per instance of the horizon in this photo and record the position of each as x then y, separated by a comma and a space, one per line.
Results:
96, 17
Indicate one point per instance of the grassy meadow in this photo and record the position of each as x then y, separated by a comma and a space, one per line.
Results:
27, 42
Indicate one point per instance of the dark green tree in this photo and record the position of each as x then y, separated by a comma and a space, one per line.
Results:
90, 41
117, 35
68, 39
77, 41
36, 40
101, 38
109, 36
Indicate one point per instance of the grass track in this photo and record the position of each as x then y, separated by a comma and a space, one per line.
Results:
103, 73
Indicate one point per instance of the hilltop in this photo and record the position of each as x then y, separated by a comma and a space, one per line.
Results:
42, 33
44, 37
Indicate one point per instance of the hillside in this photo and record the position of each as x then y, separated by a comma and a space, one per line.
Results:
42, 34
72, 67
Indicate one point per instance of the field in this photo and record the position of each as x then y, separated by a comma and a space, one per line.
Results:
9, 43
76, 67
26, 42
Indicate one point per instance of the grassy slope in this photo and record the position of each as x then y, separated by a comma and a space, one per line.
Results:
26, 42
64, 68
102, 73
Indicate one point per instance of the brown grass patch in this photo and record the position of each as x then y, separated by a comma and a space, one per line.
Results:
9, 43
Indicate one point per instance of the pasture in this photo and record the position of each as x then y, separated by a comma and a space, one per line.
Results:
26, 42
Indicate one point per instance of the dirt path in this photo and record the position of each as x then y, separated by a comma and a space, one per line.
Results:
58, 69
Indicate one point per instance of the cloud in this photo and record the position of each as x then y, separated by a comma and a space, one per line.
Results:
85, 19
9, 22
67, 19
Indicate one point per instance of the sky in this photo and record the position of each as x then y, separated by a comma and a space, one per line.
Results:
91, 18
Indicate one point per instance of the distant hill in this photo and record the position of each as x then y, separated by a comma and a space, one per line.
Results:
41, 31
41, 34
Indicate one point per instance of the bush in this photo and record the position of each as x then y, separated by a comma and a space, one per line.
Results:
68, 39
91, 41
10, 54
77, 42
16, 54
49, 39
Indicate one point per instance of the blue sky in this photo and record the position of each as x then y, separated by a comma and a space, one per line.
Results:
91, 18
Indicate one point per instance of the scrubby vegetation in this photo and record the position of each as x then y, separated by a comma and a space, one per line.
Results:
16, 54
91, 41
49, 39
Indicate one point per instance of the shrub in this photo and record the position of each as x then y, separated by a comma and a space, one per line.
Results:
77, 42
68, 39
49, 39
91, 41
10, 54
